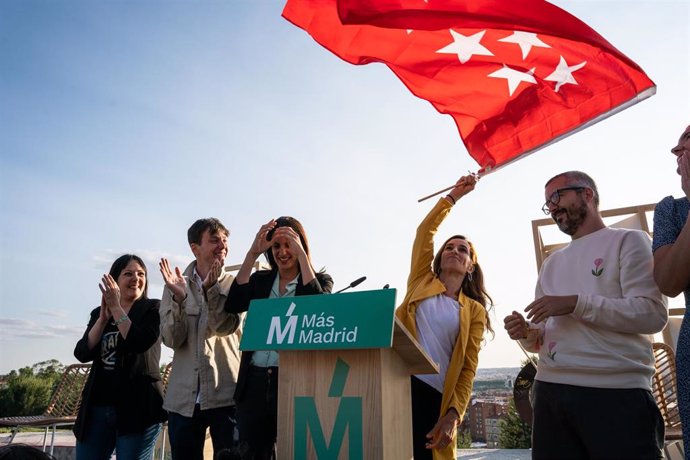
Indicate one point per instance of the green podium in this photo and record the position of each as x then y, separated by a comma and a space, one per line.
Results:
344, 380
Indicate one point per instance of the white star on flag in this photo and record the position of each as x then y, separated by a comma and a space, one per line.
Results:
526, 40
564, 73
466, 47
514, 77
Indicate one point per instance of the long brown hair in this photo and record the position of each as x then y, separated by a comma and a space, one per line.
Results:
472, 286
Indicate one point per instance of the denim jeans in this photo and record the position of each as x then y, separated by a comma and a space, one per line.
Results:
101, 438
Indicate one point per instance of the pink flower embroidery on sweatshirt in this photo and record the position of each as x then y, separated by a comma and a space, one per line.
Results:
598, 267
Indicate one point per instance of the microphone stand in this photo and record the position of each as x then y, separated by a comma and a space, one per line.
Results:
352, 284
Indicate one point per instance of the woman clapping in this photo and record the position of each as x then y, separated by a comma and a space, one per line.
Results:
122, 401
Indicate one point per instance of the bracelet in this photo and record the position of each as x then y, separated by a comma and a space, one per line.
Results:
122, 319
451, 198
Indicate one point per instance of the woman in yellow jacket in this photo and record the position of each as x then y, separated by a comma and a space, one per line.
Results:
445, 308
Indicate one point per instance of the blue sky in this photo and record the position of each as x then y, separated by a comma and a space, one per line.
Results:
122, 122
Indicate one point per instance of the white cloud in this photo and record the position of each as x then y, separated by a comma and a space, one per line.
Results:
53, 313
13, 329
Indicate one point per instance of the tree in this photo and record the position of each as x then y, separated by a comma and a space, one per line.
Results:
49, 370
515, 434
28, 390
464, 439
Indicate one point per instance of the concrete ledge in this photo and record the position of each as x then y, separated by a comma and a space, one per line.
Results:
495, 454
65, 442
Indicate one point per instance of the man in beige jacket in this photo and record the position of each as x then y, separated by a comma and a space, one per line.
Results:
205, 340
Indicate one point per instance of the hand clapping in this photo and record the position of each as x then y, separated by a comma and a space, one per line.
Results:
104, 314
173, 280
111, 294
212, 275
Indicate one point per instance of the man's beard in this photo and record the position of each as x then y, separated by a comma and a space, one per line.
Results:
574, 217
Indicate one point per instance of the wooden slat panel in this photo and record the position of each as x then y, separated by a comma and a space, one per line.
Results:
418, 361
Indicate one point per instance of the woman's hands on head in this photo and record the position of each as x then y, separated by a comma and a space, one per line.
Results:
258, 247
294, 243
261, 242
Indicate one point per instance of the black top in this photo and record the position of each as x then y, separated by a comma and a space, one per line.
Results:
259, 287
132, 372
105, 386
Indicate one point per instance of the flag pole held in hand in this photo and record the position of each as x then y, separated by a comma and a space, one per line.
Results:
476, 175
436, 193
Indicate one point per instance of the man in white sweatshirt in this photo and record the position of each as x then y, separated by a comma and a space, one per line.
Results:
596, 307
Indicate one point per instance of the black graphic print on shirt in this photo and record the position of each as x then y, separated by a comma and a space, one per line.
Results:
108, 347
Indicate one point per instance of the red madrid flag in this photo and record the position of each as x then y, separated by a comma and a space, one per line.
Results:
515, 75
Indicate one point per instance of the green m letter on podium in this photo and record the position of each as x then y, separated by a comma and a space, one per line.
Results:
349, 415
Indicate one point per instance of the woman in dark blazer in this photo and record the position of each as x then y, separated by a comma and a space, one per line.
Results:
284, 243
122, 404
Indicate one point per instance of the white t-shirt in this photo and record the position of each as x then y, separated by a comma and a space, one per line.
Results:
438, 325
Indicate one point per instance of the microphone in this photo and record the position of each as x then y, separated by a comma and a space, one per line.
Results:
352, 284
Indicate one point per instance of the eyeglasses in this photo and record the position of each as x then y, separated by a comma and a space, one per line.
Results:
555, 197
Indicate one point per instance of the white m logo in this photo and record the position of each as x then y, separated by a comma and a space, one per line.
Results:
276, 330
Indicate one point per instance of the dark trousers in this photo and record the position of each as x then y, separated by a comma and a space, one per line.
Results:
683, 379
257, 414
573, 422
188, 434
426, 407
101, 438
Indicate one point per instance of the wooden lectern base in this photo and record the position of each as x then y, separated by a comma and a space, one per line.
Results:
379, 377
